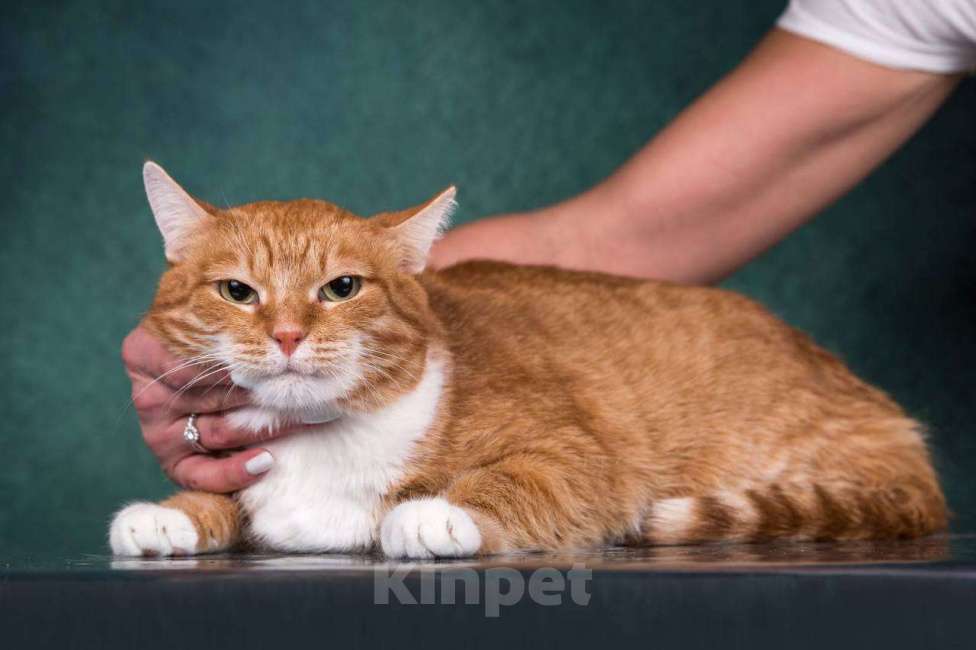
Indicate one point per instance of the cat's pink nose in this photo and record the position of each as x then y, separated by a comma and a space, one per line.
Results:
288, 337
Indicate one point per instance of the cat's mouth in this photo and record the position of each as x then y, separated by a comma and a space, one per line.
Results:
292, 369
293, 372
302, 382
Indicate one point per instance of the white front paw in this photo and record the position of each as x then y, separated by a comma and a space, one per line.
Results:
150, 529
426, 528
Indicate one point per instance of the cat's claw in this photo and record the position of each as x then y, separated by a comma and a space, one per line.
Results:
152, 530
429, 528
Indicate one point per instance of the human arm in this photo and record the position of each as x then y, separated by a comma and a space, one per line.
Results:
791, 129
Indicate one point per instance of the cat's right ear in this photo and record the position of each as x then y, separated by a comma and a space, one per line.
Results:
177, 213
416, 229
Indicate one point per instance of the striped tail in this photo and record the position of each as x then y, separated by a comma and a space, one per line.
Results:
814, 511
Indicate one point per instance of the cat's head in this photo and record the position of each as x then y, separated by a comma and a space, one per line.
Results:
309, 306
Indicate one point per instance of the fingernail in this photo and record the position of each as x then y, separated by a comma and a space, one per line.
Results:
259, 464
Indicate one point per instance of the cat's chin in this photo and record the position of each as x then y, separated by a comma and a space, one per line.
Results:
302, 398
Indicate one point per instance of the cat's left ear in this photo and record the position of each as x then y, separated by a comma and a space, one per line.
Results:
177, 213
416, 229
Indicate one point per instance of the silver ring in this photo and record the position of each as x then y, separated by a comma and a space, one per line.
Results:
192, 435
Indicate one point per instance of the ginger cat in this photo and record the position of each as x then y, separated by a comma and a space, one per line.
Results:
489, 407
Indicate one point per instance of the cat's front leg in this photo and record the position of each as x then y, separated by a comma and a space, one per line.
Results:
519, 503
187, 523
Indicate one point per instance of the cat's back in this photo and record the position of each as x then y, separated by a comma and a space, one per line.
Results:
485, 287
561, 302
607, 328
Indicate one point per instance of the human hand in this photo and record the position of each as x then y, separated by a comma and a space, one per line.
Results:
521, 238
165, 391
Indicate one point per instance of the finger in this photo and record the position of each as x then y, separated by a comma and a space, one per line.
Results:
209, 401
146, 356
143, 353
217, 432
156, 402
228, 474
185, 374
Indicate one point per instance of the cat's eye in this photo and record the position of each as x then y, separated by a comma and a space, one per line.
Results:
342, 288
235, 291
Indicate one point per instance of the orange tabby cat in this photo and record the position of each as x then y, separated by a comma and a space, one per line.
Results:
490, 407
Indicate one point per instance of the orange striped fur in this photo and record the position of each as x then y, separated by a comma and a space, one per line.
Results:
579, 409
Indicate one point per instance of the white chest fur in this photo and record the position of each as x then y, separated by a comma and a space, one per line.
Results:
325, 489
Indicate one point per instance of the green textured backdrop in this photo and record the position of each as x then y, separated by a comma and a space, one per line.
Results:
378, 105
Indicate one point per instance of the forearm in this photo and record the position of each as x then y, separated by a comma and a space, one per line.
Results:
786, 133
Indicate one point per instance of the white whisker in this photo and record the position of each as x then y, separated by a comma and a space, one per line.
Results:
188, 363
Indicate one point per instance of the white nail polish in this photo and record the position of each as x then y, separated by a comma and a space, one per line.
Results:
259, 464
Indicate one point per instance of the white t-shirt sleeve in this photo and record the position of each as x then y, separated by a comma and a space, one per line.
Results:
932, 35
